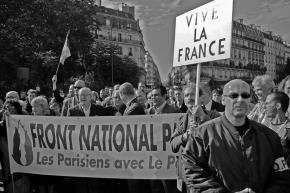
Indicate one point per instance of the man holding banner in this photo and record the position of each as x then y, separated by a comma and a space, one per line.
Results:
234, 154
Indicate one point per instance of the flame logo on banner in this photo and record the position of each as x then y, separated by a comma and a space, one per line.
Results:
21, 149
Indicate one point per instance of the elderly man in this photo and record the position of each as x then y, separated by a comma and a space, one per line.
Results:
87, 108
72, 101
194, 116
128, 96
276, 108
234, 154
263, 85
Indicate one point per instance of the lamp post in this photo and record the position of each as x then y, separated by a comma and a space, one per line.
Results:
112, 57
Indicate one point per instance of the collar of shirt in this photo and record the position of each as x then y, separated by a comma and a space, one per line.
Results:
160, 108
128, 103
86, 111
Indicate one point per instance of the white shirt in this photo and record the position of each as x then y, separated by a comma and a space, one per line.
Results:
86, 111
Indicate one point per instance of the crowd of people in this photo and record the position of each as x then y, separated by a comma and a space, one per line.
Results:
235, 140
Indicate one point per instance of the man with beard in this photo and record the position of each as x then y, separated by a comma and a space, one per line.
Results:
234, 154
263, 85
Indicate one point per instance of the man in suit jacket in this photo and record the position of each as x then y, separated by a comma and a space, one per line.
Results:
128, 96
72, 101
161, 106
86, 108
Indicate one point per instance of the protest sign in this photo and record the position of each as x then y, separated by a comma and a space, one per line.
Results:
204, 34
104, 147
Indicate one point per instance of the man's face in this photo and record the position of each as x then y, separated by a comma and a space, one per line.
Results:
216, 97
237, 99
141, 97
11, 109
189, 97
103, 94
71, 90
37, 109
171, 93
141, 86
31, 96
85, 97
22, 94
261, 91
287, 88
178, 95
157, 98
117, 100
77, 87
271, 108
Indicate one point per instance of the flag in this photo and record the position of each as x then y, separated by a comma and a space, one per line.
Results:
65, 50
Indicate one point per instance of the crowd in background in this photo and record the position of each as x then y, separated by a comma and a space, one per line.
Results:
268, 105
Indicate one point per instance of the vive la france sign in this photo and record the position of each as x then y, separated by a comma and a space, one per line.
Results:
204, 34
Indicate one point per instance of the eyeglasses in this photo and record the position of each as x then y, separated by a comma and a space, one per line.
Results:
244, 95
78, 87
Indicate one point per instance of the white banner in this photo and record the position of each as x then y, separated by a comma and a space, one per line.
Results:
104, 147
204, 34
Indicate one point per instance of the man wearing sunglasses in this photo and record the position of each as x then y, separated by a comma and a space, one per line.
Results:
72, 101
234, 154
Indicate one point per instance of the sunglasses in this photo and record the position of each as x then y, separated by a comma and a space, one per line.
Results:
78, 87
244, 95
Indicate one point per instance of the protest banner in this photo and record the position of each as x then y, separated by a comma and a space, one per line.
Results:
103, 147
204, 34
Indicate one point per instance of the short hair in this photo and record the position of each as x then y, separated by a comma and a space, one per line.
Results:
12, 95
41, 101
203, 88
281, 85
264, 80
281, 98
15, 103
162, 89
127, 89
31, 91
218, 91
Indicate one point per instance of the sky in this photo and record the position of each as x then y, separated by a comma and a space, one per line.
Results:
157, 21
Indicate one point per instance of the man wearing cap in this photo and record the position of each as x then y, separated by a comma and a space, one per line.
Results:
234, 154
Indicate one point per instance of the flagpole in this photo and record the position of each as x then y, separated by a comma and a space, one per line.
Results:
57, 68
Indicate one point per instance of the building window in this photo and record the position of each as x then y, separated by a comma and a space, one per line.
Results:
130, 37
119, 37
130, 52
120, 50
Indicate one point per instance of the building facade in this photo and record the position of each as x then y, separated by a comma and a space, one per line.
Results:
270, 56
253, 53
152, 72
120, 28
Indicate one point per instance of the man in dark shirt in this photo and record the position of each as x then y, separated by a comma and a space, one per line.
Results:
234, 154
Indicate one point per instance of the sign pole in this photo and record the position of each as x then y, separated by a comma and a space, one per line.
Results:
197, 83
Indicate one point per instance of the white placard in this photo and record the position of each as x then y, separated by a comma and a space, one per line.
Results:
204, 34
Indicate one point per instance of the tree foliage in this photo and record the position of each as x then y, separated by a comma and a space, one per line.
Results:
32, 33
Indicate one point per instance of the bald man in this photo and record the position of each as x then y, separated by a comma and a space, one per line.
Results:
234, 154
